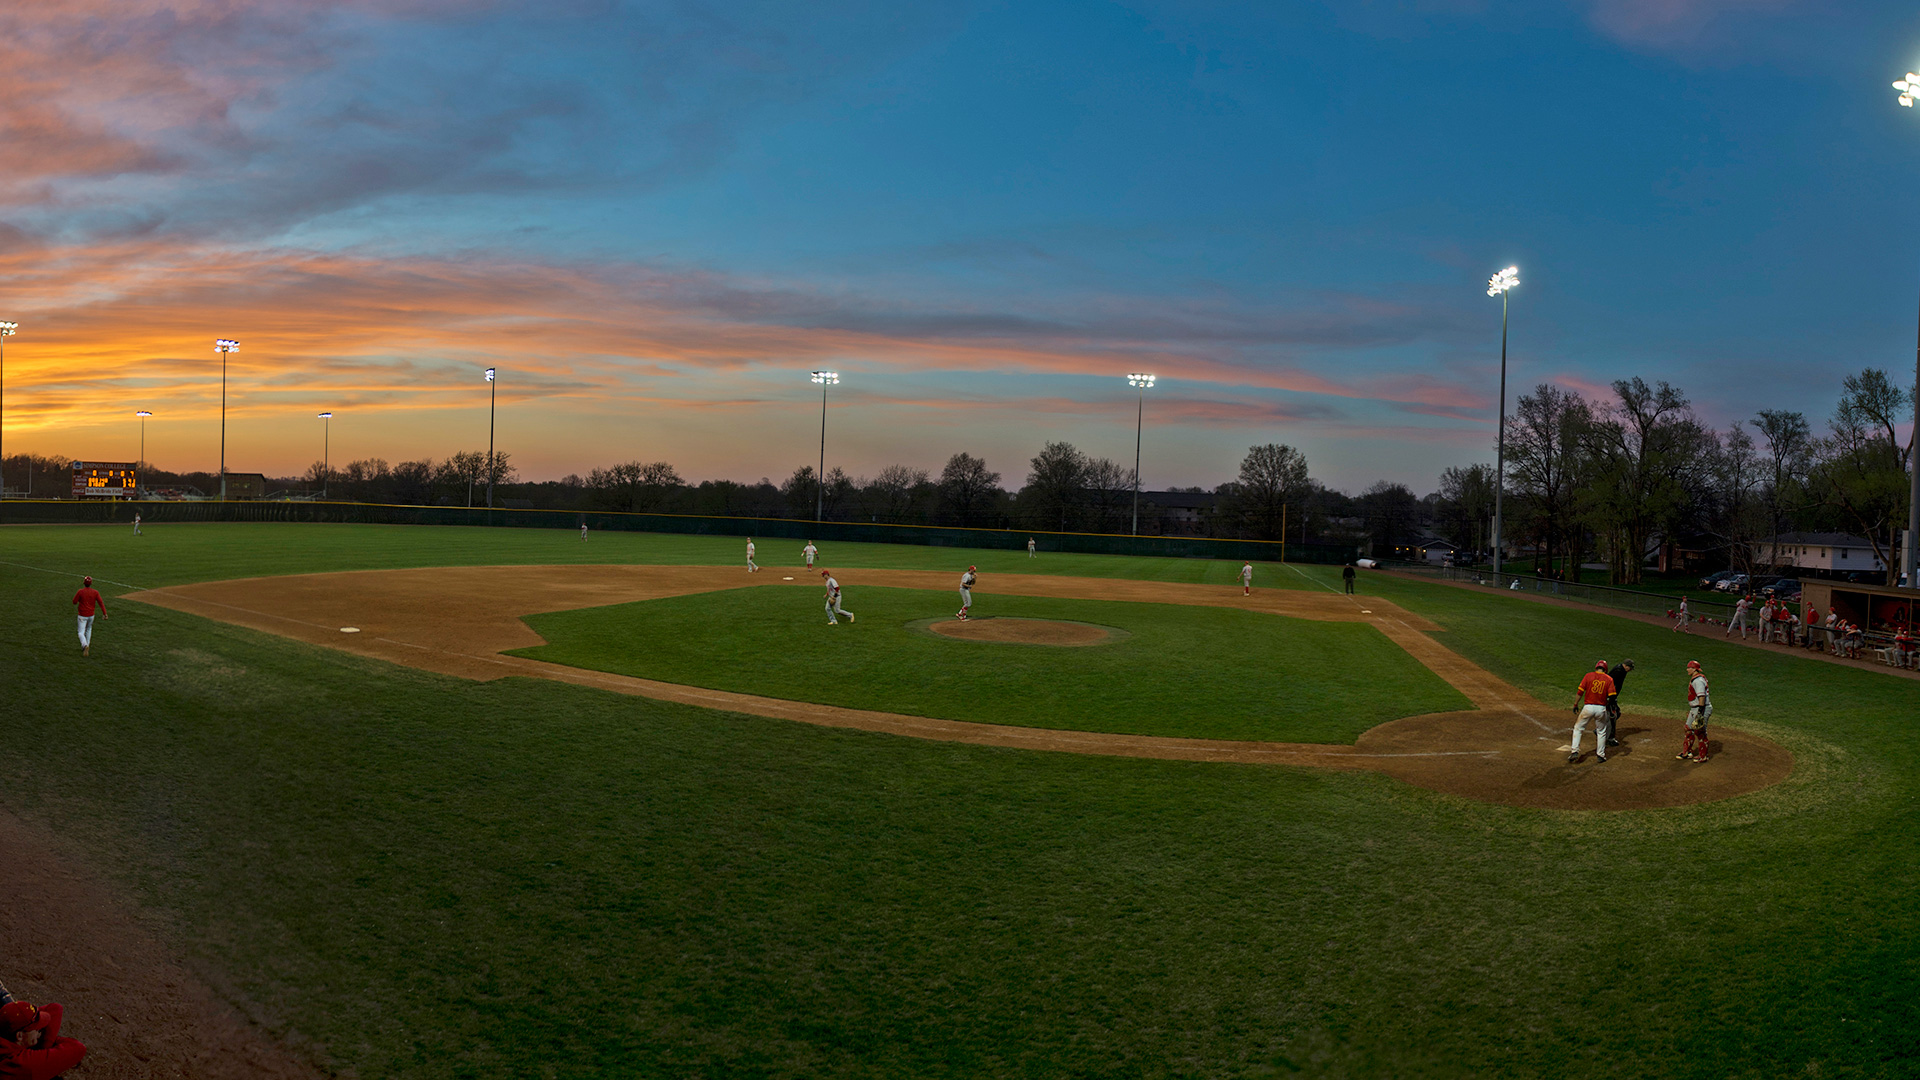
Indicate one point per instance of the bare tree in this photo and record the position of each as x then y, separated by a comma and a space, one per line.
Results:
1056, 487
1272, 477
1861, 466
1789, 455
1545, 460
891, 493
1468, 495
1648, 454
966, 488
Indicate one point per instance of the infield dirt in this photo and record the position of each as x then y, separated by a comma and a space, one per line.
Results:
1509, 749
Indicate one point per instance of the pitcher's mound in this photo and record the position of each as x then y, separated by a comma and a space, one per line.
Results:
1005, 631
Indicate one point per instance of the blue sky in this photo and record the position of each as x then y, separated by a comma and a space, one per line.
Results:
655, 218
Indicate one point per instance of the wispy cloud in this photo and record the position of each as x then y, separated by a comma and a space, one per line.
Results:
1670, 23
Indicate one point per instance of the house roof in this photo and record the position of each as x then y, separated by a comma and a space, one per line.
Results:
1822, 539
1180, 500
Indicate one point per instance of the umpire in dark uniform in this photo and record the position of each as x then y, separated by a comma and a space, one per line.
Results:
1619, 677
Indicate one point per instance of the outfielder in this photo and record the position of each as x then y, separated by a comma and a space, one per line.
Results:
1740, 616
966, 593
752, 567
833, 601
89, 601
1246, 580
1592, 703
1030, 553
583, 532
136, 523
1699, 711
809, 551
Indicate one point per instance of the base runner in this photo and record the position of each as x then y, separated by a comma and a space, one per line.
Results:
1592, 703
966, 592
833, 601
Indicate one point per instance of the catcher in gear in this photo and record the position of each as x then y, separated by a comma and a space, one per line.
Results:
1699, 711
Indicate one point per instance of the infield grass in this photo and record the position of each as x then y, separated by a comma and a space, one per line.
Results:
438, 878
1181, 670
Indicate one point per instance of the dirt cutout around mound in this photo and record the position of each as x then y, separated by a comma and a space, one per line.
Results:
1511, 749
1003, 630
140, 1012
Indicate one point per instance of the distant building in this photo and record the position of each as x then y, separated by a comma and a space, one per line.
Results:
246, 485
1826, 554
1179, 513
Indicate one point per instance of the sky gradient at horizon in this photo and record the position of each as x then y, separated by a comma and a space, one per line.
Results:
655, 218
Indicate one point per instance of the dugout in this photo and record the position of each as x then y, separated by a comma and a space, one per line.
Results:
1877, 609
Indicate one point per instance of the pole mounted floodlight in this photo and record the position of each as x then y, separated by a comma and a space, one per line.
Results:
223, 346
326, 450
1909, 87
1500, 285
7, 330
825, 379
493, 389
1140, 382
143, 414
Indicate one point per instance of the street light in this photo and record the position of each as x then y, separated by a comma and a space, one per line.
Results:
1499, 285
224, 346
326, 450
1140, 382
7, 330
142, 414
825, 379
1908, 87
492, 390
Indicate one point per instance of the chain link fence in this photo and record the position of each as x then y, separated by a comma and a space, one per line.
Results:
1609, 596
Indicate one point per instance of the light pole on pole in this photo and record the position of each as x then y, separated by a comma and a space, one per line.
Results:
1499, 285
492, 390
326, 450
7, 330
1139, 382
825, 379
224, 346
141, 464
1909, 87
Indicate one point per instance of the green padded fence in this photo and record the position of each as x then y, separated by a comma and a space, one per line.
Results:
27, 512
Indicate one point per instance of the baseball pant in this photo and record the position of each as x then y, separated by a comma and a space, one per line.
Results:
834, 609
86, 631
1695, 744
751, 565
1612, 734
1597, 714
966, 599
1739, 623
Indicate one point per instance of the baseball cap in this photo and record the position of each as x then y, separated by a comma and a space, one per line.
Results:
973, 568
86, 581
18, 1015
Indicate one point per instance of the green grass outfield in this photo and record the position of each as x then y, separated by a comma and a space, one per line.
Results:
439, 878
1182, 670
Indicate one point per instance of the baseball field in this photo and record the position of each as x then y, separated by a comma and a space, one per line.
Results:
443, 802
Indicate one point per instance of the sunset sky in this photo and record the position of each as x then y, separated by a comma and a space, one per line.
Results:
655, 218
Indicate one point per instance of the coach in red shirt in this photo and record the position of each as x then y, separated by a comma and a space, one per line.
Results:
31, 1046
89, 601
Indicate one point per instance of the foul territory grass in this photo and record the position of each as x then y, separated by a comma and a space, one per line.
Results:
1181, 670
435, 878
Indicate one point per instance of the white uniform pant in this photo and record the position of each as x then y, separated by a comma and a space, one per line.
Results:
86, 631
1739, 623
966, 598
751, 565
834, 609
1597, 714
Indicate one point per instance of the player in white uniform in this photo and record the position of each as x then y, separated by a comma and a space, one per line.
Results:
1699, 710
136, 524
809, 551
1680, 622
1030, 547
1246, 580
1740, 617
583, 532
833, 601
751, 566
966, 593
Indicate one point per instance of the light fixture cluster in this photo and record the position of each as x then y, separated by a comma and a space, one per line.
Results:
1908, 87
1502, 281
8, 329
226, 345
489, 374
826, 378
1140, 380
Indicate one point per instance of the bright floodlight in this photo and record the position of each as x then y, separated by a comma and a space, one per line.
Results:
326, 416
1908, 87
489, 374
142, 414
226, 345
1142, 381
828, 378
1502, 281
8, 329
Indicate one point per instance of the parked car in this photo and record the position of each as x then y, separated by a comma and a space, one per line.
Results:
1785, 588
1734, 584
1712, 581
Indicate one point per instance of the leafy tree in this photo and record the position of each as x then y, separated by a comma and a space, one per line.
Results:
1648, 455
1467, 503
1389, 511
1861, 464
1272, 477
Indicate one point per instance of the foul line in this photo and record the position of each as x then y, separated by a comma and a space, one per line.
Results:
63, 573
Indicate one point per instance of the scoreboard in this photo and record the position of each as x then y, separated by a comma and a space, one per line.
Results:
109, 479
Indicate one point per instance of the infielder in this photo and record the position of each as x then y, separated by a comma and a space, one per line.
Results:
89, 601
1030, 553
809, 551
1246, 580
1699, 711
1592, 703
966, 592
833, 601
1740, 616
1681, 620
752, 567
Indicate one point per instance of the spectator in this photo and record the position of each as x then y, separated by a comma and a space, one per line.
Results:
31, 1045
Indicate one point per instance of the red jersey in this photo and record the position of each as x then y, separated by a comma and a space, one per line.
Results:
1595, 688
89, 600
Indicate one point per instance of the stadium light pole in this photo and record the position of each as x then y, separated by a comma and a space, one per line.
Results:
326, 450
224, 346
492, 391
825, 379
1909, 87
7, 330
1139, 382
1499, 285
142, 462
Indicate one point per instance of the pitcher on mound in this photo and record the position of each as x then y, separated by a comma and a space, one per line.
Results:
966, 593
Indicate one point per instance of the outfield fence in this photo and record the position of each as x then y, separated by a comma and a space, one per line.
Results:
1644, 603
43, 512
